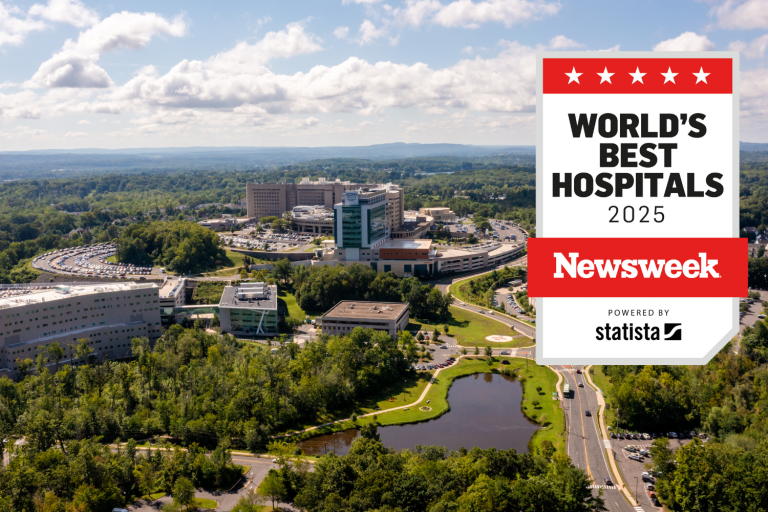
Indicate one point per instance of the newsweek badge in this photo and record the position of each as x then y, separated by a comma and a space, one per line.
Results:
637, 258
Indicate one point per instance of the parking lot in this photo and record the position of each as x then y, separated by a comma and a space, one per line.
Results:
632, 462
90, 261
753, 313
268, 241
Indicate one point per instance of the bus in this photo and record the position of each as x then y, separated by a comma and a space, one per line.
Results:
567, 391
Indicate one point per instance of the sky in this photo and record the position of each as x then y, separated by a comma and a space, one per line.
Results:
328, 72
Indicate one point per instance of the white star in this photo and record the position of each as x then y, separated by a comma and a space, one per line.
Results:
637, 76
669, 76
574, 76
701, 76
605, 76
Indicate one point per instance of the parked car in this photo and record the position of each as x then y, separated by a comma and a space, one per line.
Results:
649, 486
613, 435
636, 458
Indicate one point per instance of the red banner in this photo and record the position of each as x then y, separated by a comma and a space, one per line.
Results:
638, 76
637, 267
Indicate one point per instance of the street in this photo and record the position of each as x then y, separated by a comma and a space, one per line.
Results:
585, 445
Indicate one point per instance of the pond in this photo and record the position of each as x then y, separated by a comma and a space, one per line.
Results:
485, 412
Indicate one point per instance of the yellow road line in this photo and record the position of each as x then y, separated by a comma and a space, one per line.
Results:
583, 432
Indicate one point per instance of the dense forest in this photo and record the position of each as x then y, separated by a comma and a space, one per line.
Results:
179, 246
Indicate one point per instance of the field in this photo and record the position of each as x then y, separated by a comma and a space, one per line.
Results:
470, 329
286, 301
602, 382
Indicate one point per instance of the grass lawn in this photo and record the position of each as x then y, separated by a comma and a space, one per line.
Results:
470, 329
236, 259
457, 292
155, 496
313, 248
401, 393
602, 382
535, 376
287, 302
206, 503
112, 258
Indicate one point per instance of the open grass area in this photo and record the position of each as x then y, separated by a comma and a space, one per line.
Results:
404, 392
206, 503
456, 289
236, 259
547, 413
112, 258
604, 383
470, 329
286, 301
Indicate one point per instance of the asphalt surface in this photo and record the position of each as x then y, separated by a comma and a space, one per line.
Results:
755, 309
585, 445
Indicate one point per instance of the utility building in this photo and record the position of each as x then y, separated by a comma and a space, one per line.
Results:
249, 309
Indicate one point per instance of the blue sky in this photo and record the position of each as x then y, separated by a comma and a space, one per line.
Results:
314, 73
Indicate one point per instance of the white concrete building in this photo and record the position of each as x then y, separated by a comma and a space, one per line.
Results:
108, 315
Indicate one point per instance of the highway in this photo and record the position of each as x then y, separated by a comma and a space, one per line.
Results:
585, 446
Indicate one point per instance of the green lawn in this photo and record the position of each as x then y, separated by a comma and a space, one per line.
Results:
236, 259
113, 258
534, 376
206, 503
470, 329
457, 292
602, 382
287, 301
406, 391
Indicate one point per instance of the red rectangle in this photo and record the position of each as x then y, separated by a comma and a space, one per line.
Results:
638, 76
731, 266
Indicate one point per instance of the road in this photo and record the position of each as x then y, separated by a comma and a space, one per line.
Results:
586, 448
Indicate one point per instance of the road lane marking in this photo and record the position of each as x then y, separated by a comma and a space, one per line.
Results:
584, 435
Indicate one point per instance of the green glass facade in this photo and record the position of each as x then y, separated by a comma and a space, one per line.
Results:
247, 321
352, 226
377, 223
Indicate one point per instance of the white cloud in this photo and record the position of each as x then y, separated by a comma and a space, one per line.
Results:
15, 25
75, 65
469, 14
365, 2
311, 121
83, 121
755, 49
468, 50
75, 135
341, 32
365, 123
612, 49
562, 43
685, 42
66, 11
368, 33
742, 14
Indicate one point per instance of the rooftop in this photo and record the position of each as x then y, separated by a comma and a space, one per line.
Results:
171, 287
60, 292
229, 299
366, 309
401, 243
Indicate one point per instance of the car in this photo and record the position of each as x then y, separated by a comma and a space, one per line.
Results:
505, 352
581, 384
578, 370
631, 448
637, 458
650, 486
649, 478
645, 453
613, 435
655, 501
589, 413
622, 436
443, 346
608, 481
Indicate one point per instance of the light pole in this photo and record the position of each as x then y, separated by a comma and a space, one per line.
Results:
637, 497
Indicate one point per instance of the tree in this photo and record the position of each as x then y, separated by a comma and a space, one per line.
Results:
283, 270
463, 351
488, 352
445, 328
83, 350
56, 353
272, 487
184, 493
477, 351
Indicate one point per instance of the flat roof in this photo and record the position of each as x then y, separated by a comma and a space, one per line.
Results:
366, 309
21, 297
229, 299
403, 243
170, 287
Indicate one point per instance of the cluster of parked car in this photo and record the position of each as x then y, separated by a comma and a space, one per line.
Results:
649, 480
436, 366
637, 453
511, 301
670, 435
80, 264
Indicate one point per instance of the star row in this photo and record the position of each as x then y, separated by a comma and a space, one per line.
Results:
637, 76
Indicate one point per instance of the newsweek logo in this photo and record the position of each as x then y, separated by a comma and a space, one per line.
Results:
630, 269
636, 206
640, 332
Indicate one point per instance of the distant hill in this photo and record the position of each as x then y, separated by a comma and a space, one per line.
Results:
67, 162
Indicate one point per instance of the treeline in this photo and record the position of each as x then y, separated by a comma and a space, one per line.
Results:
87, 476
725, 398
318, 288
482, 289
179, 246
371, 477
199, 388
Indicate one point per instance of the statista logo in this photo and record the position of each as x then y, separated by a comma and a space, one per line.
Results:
640, 332
673, 332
